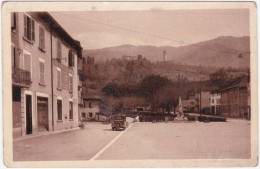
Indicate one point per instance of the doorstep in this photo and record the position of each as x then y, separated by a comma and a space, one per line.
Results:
45, 133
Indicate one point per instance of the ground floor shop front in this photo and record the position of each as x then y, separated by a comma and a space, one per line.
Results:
35, 112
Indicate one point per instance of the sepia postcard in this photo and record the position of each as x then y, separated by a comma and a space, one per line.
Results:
130, 84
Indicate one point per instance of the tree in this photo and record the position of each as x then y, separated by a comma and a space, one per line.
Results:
112, 89
167, 97
151, 84
219, 78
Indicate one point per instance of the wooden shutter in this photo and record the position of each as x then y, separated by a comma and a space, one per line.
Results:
29, 28
71, 110
59, 51
59, 109
41, 38
13, 56
42, 72
27, 62
25, 26
71, 83
58, 79
71, 58
13, 21
72, 55
33, 31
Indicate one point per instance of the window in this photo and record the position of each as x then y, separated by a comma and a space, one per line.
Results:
59, 79
90, 114
89, 105
41, 39
70, 83
42, 72
83, 115
59, 109
27, 62
71, 111
13, 22
59, 51
29, 32
71, 59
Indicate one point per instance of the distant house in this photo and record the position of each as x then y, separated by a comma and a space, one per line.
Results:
215, 103
91, 108
235, 98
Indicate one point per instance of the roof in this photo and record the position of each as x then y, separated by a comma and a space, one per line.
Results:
58, 29
239, 82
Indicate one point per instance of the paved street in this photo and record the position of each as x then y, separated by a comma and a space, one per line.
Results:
172, 140
79, 144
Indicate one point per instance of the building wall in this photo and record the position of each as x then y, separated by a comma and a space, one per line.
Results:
44, 90
95, 108
64, 93
234, 103
215, 103
35, 89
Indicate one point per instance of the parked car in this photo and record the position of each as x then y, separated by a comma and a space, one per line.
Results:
118, 121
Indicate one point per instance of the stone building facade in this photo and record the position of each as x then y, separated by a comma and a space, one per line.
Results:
44, 74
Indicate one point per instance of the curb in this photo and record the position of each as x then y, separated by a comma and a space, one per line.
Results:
27, 137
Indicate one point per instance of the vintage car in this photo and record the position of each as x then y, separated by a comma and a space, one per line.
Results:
118, 121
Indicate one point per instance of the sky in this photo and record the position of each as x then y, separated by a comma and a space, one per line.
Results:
100, 29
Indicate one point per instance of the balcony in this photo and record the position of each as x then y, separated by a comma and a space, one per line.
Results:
21, 77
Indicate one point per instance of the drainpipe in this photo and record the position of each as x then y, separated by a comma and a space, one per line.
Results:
52, 113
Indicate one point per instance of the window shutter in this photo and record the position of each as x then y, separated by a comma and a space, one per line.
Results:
29, 28
13, 57
25, 26
13, 21
42, 72
33, 32
43, 39
27, 62
58, 79
40, 38
59, 51
72, 59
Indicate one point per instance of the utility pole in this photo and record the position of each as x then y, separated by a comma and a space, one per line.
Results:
200, 72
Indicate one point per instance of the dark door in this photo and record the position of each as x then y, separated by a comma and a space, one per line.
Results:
42, 109
28, 114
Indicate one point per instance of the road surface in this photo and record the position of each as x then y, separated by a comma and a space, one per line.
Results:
172, 140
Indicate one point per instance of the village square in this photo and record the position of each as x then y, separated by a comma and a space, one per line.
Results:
128, 101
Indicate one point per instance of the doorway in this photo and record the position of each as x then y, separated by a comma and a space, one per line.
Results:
28, 108
42, 110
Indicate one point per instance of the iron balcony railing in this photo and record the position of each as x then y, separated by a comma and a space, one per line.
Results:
21, 77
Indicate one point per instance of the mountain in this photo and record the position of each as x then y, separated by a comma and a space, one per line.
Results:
224, 51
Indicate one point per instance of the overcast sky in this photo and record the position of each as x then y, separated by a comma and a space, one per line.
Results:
99, 29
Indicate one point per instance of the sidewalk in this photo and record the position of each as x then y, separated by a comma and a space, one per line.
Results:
45, 133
